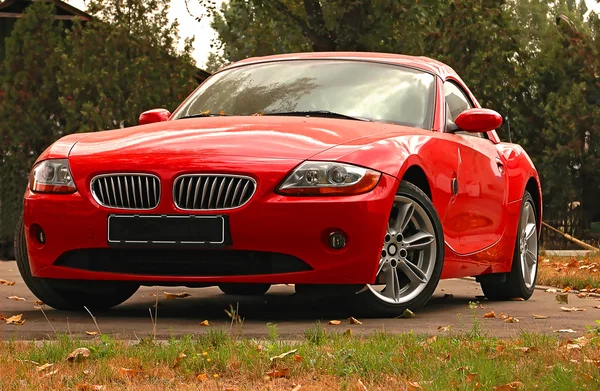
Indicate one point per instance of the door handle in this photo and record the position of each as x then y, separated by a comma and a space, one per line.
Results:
500, 165
454, 186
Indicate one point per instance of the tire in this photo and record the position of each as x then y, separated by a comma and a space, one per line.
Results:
245, 289
64, 294
518, 283
411, 263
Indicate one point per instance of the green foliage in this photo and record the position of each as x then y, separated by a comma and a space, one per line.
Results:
99, 75
30, 112
543, 77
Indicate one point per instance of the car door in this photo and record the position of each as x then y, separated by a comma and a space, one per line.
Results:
481, 181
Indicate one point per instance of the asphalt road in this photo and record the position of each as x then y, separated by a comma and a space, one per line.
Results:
291, 313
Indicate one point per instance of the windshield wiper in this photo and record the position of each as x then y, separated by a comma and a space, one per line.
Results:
199, 115
319, 113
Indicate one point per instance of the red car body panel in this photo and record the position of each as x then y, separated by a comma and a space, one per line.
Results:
479, 223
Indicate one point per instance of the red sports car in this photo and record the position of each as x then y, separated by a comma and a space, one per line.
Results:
368, 175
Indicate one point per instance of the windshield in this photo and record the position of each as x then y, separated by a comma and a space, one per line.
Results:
364, 90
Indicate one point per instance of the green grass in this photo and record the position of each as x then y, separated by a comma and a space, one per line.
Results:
323, 360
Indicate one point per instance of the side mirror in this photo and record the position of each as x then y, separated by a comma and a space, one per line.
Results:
478, 120
155, 115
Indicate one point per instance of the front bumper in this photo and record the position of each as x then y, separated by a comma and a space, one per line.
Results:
275, 226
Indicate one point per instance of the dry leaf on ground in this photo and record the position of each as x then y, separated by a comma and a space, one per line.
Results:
126, 372
536, 316
411, 386
16, 320
42, 368
297, 358
282, 355
335, 322
408, 314
7, 283
565, 331
490, 314
277, 373
54, 372
503, 316
17, 298
516, 385
573, 346
204, 323
202, 377
353, 320
39, 302
180, 357
571, 309
92, 333
562, 298
179, 295
444, 328
510, 319
77, 353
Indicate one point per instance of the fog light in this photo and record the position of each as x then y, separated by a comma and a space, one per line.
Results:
337, 240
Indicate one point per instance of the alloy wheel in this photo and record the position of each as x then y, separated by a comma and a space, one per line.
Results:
408, 255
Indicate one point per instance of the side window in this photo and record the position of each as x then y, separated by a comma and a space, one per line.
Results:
457, 102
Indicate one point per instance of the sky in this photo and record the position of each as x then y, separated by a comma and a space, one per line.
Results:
188, 26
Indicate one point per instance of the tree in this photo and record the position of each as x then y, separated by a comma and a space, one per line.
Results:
30, 111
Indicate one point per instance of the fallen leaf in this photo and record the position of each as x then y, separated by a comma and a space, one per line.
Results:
471, 377
499, 348
573, 346
565, 331
503, 316
282, 355
490, 314
42, 368
407, 314
179, 295
517, 299
179, 358
28, 362
277, 373
204, 323
77, 353
597, 306
509, 386
92, 333
54, 372
298, 387
582, 295
202, 377
16, 320
444, 328
39, 302
7, 283
17, 298
536, 316
360, 386
571, 309
335, 322
411, 386
354, 320
567, 289
551, 290
510, 319
562, 298
297, 358
587, 377
126, 372
88, 387
526, 349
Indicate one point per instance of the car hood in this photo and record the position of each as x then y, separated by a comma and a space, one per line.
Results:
265, 137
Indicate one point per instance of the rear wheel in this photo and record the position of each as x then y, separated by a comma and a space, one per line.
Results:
64, 294
411, 258
245, 289
520, 282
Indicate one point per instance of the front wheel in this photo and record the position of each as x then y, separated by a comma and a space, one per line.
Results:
520, 282
412, 257
69, 294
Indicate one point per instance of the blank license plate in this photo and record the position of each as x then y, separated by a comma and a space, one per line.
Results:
165, 229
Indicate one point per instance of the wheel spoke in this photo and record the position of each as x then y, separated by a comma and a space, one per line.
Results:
392, 283
530, 258
405, 214
526, 268
419, 240
529, 231
412, 271
526, 213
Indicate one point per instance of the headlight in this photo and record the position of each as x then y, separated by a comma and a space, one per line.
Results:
329, 178
52, 176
